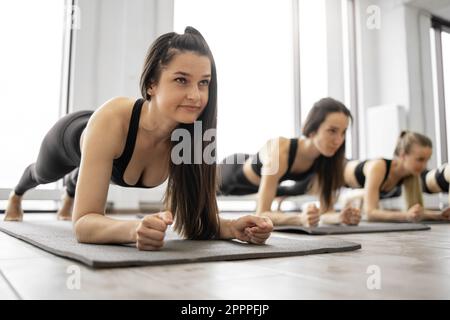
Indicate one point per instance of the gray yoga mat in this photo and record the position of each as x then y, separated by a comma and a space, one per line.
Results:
57, 237
363, 227
435, 221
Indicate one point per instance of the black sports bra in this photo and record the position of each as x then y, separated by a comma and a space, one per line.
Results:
120, 164
359, 172
361, 178
288, 175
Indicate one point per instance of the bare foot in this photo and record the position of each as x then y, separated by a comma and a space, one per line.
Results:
14, 210
65, 212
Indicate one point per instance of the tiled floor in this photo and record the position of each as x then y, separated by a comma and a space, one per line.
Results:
411, 265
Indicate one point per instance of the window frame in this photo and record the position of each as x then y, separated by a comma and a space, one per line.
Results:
438, 26
349, 67
66, 68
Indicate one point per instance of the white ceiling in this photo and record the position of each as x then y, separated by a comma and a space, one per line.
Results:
440, 8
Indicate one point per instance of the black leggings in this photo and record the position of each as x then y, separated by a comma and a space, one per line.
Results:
439, 177
234, 182
59, 155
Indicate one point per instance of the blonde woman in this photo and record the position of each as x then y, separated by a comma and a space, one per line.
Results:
380, 177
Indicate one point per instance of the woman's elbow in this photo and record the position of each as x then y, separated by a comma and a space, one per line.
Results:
79, 229
370, 214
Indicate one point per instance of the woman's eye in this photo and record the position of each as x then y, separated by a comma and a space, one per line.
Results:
204, 82
181, 80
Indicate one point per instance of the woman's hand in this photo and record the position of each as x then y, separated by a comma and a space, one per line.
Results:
445, 214
415, 214
350, 216
252, 229
311, 216
151, 231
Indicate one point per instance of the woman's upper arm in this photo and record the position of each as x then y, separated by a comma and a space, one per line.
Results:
102, 140
374, 178
273, 156
274, 166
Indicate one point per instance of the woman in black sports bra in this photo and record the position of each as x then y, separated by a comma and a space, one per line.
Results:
312, 161
130, 143
383, 178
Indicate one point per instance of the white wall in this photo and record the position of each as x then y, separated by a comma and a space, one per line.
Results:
109, 52
111, 45
396, 66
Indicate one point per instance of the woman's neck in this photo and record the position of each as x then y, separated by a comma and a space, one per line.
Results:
308, 149
154, 124
398, 169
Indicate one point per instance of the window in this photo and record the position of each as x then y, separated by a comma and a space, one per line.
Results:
313, 53
446, 73
327, 58
274, 60
440, 47
30, 81
252, 43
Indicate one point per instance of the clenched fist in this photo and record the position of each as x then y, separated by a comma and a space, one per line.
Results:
350, 216
415, 213
311, 216
252, 229
151, 231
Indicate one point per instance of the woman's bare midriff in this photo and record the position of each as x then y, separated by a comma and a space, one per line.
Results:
349, 174
250, 174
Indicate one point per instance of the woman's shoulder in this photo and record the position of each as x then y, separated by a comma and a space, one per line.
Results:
115, 112
117, 106
280, 141
376, 165
110, 123
278, 145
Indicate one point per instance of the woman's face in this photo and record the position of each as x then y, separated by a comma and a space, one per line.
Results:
417, 158
182, 90
331, 134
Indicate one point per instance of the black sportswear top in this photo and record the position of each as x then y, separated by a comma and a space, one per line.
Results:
359, 171
120, 164
361, 178
288, 175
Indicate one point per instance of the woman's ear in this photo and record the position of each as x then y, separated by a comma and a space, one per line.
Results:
151, 88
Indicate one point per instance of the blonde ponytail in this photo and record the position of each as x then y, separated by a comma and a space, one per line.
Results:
412, 191
412, 188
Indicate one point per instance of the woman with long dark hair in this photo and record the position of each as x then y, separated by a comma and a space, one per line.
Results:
129, 142
314, 162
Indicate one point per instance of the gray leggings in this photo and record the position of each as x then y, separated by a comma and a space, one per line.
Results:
232, 180
59, 155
